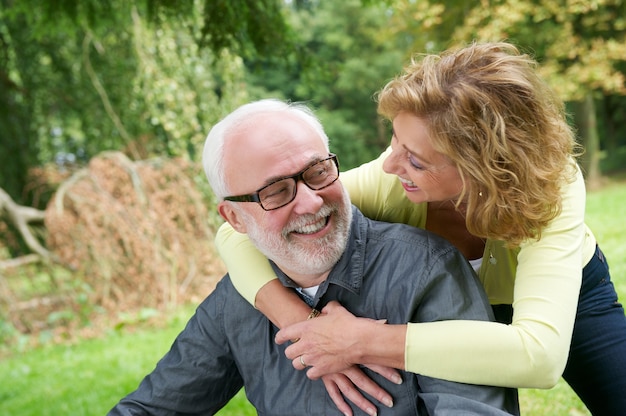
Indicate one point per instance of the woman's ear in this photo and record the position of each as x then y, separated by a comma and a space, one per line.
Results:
231, 215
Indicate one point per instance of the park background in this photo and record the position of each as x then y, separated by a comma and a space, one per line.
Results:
106, 220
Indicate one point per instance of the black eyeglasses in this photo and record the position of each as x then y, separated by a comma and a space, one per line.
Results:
279, 193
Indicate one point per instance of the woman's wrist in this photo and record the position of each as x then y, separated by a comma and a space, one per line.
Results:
281, 305
379, 343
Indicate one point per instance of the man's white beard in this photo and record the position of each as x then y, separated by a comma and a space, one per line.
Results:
315, 256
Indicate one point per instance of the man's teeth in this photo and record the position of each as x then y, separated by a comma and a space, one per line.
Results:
312, 228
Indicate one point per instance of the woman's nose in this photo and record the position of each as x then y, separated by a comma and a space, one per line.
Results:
392, 162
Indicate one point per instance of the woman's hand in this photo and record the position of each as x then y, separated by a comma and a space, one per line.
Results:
328, 344
348, 383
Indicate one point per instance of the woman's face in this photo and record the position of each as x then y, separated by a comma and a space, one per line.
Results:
426, 175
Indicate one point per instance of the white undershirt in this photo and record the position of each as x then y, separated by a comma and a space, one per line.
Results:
309, 291
476, 263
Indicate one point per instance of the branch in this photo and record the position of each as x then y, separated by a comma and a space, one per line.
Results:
19, 261
20, 216
108, 107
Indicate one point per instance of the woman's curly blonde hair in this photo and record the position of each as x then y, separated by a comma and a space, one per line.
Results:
505, 130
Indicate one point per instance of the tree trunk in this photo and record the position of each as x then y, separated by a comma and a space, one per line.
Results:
588, 133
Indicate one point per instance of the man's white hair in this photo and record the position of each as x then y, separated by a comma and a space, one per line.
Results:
213, 153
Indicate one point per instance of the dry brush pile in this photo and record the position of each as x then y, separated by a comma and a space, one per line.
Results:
137, 233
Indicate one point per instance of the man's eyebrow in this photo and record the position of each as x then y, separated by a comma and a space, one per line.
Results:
312, 160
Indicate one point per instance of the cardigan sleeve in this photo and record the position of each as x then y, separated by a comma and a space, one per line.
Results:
248, 268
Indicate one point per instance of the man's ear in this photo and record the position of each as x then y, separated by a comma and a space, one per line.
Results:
227, 212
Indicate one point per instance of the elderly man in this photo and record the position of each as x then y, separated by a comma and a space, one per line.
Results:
270, 165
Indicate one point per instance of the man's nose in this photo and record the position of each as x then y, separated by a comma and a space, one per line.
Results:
307, 200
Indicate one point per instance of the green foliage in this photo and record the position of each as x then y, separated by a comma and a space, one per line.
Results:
81, 86
18, 149
39, 298
8, 332
614, 161
348, 58
251, 26
180, 89
612, 129
579, 44
246, 27
151, 76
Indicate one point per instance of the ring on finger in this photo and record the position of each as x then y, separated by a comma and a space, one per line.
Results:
302, 362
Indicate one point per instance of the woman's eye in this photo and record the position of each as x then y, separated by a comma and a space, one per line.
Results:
414, 162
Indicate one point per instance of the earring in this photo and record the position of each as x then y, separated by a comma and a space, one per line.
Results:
480, 193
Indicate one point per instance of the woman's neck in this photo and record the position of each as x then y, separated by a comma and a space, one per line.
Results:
447, 221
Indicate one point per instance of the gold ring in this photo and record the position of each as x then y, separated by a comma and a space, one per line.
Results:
302, 362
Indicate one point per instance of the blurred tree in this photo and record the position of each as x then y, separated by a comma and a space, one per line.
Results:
349, 56
246, 27
580, 45
81, 77
18, 150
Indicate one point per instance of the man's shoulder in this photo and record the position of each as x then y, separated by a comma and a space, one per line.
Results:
226, 298
401, 233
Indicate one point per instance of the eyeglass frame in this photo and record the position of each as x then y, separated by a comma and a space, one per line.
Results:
254, 197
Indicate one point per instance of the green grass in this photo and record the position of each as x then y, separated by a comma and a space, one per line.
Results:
88, 378
82, 379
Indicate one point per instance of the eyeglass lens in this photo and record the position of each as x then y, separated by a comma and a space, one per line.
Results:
282, 192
